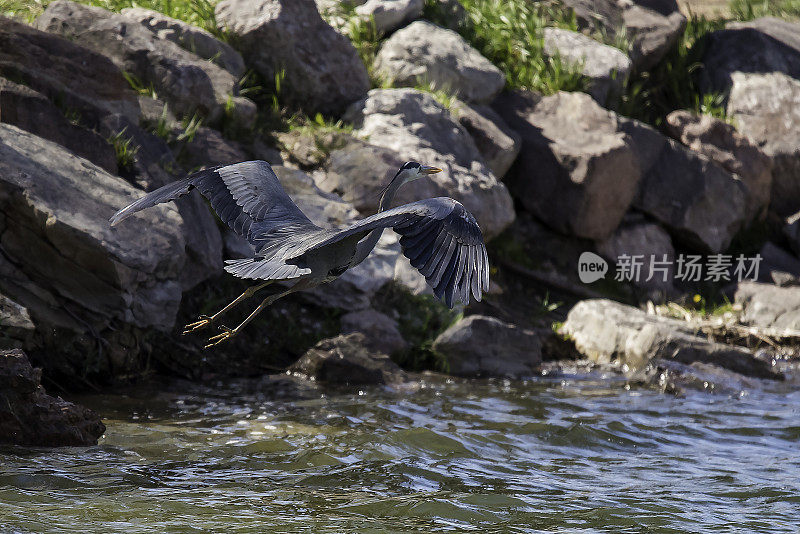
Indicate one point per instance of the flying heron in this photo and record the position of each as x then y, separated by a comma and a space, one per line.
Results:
440, 237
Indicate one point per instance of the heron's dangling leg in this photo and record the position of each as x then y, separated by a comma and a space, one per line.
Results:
228, 333
206, 320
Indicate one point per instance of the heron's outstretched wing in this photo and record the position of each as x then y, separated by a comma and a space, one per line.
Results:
440, 237
247, 197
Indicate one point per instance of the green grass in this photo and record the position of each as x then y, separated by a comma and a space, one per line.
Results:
753, 9
124, 149
673, 83
199, 13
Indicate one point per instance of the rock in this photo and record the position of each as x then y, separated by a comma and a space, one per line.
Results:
209, 148
60, 236
358, 172
381, 333
766, 110
498, 144
700, 204
652, 26
765, 45
606, 67
605, 331
324, 209
189, 83
423, 53
345, 360
323, 72
577, 170
31, 417
414, 125
155, 166
389, 15
777, 266
15, 324
484, 346
31, 111
721, 143
85, 82
191, 38
769, 307
638, 237
792, 232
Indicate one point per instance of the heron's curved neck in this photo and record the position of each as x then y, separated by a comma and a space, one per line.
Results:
366, 245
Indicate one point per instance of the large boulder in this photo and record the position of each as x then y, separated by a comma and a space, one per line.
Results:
770, 307
701, 204
577, 171
381, 332
31, 417
31, 111
766, 110
416, 126
84, 82
763, 46
423, 53
345, 359
75, 274
191, 38
604, 66
497, 143
652, 26
607, 331
388, 15
323, 71
721, 142
481, 346
189, 83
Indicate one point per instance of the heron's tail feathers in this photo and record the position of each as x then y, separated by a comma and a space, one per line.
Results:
259, 269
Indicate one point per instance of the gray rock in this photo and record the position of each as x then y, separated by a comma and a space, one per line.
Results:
577, 170
31, 111
701, 204
484, 346
60, 236
189, 83
652, 26
769, 307
323, 71
763, 46
381, 332
191, 38
498, 144
766, 109
639, 237
778, 266
209, 148
13, 315
31, 417
720, 142
346, 360
358, 172
389, 15
605, 66
424, 53
606, 331
792, 232
414, 125
83, 81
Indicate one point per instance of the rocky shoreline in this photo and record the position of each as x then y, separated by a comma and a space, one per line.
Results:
97, 107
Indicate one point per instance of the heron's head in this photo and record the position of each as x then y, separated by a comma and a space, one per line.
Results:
411, 170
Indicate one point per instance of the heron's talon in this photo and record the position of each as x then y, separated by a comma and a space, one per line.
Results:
204, 321
226, 334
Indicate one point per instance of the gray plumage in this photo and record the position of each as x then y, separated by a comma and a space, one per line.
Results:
440, 237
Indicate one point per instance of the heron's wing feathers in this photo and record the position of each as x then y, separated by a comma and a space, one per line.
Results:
261, 269
247, 197
440, 237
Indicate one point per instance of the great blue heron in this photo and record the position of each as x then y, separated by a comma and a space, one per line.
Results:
439, 236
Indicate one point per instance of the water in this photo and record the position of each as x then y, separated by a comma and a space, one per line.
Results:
576, 455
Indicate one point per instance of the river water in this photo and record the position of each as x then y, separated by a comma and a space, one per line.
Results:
568, 454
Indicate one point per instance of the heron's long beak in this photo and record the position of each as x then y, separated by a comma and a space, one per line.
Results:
430, 170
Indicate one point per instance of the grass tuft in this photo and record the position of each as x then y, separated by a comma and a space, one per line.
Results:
124, 149
753, 9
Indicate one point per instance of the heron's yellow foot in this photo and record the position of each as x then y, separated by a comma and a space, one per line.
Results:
226, 334
204, 321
